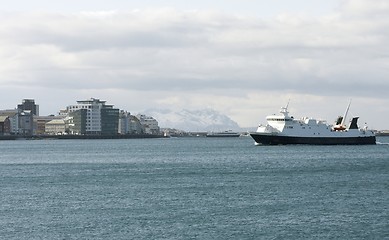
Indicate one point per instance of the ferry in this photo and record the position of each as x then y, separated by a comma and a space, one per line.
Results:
284, 129
223, 134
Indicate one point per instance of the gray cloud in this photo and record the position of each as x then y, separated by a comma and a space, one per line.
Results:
176, 52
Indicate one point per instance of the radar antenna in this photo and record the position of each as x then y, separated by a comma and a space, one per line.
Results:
287, 105
284, 110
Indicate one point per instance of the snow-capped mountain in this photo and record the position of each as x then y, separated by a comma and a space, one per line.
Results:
193, 120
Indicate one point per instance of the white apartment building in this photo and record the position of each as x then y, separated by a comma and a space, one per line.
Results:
96, 111
93, 117
149, 124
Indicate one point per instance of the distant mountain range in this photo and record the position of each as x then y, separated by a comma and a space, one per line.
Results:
193, 120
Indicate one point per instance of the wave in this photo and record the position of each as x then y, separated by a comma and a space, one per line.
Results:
382, 143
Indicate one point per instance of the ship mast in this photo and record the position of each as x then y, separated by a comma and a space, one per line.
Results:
284, 110
345, 114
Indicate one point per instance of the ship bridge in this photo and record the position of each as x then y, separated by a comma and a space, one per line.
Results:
281, 121
283, 117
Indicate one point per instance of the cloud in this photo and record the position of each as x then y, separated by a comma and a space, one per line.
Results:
365, 8
199, 57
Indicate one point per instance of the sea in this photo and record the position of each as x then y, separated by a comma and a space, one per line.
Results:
192, 188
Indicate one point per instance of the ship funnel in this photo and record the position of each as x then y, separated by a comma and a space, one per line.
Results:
353, 123
339, 120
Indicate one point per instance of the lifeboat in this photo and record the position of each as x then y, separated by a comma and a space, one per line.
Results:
339, 128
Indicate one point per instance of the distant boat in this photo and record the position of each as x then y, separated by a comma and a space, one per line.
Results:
284, 129
223, 134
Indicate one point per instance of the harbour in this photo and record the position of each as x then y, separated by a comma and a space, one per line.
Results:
160, 120
179, 188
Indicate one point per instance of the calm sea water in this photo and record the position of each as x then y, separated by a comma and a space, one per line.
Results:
192, 188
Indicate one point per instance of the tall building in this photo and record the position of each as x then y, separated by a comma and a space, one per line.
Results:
26, 123
76, 122
109, 121
123, 122
29, 105
100, 119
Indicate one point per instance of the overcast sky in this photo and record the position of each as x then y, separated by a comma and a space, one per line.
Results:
243, 58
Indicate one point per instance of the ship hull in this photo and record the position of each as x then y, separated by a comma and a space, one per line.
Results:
223, 135
266, 139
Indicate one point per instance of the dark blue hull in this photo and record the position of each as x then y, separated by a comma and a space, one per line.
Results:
277, 140
221, 135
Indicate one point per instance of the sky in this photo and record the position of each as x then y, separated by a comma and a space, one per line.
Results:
245, 58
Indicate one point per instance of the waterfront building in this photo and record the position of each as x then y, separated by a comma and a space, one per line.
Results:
26, 123
123, 122
149, 124
109, 121
13, 118
129, 124
5, 125
135, 126
20, 121
29, 105
100, 118
40, 123
76, 122
55, 127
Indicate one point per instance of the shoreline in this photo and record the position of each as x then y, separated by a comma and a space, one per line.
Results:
64, 137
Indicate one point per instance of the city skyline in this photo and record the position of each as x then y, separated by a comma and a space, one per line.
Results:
244, 59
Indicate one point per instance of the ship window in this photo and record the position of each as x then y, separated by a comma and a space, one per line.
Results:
278, 119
